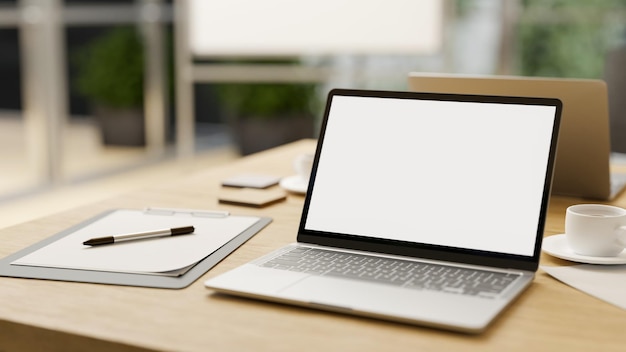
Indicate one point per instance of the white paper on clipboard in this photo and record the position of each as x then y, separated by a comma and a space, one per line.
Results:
167, 256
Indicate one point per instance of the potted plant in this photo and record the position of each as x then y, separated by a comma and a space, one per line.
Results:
110, 75
264, 115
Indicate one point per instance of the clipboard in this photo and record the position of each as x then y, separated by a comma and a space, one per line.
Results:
129, 278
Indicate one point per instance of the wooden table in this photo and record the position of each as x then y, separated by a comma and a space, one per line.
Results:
65, 316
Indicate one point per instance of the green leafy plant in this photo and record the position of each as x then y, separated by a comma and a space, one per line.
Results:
264, 101
267, 100
264, 115
567, 38
111, 69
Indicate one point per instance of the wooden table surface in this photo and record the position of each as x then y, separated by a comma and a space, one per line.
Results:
51, 315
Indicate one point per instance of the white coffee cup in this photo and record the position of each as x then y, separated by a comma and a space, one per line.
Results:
302, 165
595, 229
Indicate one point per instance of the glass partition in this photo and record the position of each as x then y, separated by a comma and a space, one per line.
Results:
555, 38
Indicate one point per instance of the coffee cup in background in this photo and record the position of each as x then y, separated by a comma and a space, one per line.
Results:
302, 165
596, 230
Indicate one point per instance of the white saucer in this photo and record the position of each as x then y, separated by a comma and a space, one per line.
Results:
294, 184
557, 246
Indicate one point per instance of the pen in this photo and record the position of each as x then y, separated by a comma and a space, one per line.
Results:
139, 235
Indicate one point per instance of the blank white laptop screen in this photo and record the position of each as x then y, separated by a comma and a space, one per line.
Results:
433, 172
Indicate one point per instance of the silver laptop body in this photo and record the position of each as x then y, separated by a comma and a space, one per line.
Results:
410, 213
582, 166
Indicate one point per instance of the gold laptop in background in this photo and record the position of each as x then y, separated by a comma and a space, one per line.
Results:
583, 153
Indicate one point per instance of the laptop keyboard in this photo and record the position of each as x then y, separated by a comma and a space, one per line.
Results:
397, 272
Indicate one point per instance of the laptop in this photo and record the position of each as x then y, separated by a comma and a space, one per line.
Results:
409, 215
583, 163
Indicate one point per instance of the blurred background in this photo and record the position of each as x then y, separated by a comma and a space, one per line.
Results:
94, 89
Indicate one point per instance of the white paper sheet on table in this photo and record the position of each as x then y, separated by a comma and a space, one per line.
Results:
606, 282
171, 256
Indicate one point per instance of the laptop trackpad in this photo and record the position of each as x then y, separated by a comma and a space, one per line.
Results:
350, 294
389, 300
323, 290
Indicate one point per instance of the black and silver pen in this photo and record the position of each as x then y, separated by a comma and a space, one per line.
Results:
139, 235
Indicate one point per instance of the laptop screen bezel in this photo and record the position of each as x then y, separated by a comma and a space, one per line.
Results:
434, 252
